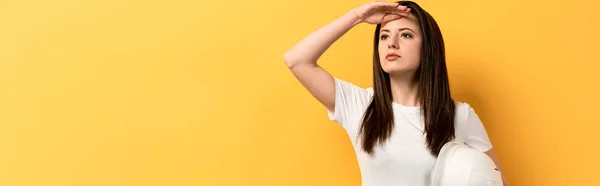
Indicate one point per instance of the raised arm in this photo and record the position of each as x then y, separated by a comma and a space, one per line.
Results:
302, 58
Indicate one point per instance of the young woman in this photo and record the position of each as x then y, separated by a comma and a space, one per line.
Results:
399, 125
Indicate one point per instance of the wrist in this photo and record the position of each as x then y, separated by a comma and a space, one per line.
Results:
353, 17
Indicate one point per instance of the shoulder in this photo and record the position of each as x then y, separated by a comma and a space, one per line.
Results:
463, 112
459, 103
347, 87
351, 101
461, 115
462, 107
370, 91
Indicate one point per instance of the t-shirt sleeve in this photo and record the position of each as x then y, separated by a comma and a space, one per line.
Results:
350, 101
476, 135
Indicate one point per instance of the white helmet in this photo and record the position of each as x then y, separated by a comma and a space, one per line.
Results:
460, 165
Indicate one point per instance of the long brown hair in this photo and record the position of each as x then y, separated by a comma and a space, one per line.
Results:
437, 105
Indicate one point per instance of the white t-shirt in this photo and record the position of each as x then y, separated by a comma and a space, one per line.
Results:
404, 159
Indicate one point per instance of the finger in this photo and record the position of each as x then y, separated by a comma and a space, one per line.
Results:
407, 10
402, 12
397, 11
402, 7
390, 17
388, 10
391, 10
386, 5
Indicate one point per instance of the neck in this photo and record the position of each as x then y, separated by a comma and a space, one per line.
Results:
405, 89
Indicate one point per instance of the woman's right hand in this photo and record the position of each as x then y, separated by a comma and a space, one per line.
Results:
380, 12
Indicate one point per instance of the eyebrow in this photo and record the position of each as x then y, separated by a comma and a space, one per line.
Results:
401, 29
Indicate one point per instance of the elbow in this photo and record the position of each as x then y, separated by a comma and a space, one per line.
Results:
294, 60
289, 60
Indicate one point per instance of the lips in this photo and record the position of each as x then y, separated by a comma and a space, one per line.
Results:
392, 56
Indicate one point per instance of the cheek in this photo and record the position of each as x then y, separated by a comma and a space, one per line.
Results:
413, 51
382, 52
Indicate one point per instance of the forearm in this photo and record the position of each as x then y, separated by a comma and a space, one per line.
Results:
310, 49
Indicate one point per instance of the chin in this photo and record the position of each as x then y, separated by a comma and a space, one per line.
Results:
393, 68
398, 71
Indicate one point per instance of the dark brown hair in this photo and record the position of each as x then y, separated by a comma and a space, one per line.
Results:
436, 102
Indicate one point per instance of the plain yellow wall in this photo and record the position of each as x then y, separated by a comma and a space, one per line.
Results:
184, 92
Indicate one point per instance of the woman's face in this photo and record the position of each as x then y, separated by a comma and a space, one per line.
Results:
400, 45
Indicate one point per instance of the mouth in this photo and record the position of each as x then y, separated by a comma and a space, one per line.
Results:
392, 57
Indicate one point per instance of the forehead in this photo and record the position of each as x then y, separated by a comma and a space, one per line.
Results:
404, 22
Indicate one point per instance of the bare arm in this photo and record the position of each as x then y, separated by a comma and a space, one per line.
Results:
492, 154
302, 58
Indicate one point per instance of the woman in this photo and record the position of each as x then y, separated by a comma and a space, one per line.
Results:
399, 125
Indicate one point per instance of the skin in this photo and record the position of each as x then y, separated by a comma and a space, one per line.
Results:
403, 37
302, 58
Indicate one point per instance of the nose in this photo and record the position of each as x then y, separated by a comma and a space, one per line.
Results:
393, 43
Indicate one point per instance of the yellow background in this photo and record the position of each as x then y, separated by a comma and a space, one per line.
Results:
184, 92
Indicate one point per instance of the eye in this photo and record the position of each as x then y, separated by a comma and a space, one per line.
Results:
406, 35
383, 37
